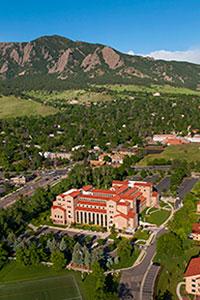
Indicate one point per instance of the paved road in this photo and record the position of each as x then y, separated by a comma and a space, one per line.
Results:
132, 279
162, 167
47, 178
149, 282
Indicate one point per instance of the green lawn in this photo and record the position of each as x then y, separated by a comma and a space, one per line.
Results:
163, 89
58, 288
189, 152
70, 96
141, 234
12, 106
127, 261
158, 217
21, 280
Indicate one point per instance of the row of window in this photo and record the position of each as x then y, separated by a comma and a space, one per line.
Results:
58, 216
90, 206
90, 218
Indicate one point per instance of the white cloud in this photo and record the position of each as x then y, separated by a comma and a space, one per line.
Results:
192, 55
130, 52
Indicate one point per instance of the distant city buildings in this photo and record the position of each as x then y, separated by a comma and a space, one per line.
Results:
192, 277
118, 206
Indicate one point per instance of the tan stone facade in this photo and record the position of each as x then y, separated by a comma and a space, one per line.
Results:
119, 206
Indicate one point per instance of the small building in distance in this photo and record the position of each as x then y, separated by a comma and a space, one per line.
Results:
18, 180
192, 277
170, 139
196, 231
194, 139
198, 207
119, 206
57, 155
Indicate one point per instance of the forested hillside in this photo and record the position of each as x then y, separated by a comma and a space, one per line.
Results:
54, 62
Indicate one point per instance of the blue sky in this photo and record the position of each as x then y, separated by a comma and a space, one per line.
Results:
143, 26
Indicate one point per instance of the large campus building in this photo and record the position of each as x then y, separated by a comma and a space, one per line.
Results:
120, 205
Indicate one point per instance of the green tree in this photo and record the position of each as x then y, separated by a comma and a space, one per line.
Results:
100, 278
58, 260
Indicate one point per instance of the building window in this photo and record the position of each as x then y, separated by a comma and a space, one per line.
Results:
77, 217
81, 217
97, 219
101, 220
105, 220
89, 215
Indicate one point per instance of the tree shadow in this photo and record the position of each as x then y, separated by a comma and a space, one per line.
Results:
125, 293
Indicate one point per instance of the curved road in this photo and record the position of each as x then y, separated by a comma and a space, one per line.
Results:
137, 276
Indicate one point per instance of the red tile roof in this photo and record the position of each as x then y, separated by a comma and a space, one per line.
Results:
122, 189
95, 210
130, 215
196, 228
119, 182
175, 141
91, 203
58, 207
193, 267
132, 197
108, 192
143, 184
74, 194
123, 203
96, 197
154, 194
142, 198
87, 188
131, 191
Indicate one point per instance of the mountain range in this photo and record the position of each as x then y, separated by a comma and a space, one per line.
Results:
65, 60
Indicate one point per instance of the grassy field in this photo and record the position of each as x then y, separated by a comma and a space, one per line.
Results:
70, 96
12, 106
164, 89
58, 288
189, 152
16, 281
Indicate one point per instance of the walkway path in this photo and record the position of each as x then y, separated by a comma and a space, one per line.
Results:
178, 290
